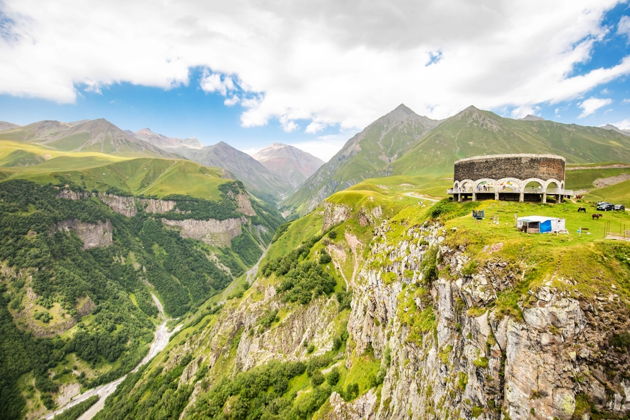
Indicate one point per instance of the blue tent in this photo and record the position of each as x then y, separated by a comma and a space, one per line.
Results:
545, 226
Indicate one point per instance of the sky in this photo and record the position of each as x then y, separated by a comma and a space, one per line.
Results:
310, 73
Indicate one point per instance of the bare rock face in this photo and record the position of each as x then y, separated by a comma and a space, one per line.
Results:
359, 409
69, 194
481, 364
245, 205
211, 231
334, 214
306, 325
93, 235
154, 206
120, 204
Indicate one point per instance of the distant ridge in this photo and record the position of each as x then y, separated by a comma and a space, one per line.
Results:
530, 117
615, 128
288, 162
367, 154
164, 142
97, 135
242, 166
4, 125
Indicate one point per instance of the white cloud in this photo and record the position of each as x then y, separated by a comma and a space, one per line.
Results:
623, 27
215, 82
315, 127
591, 105
231, 101
324, 147
328, 61
524, 110
623, 124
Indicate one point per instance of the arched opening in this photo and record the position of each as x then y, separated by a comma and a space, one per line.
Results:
466, 186
553, 187
533, 190
509, 185
534, 186
484, 185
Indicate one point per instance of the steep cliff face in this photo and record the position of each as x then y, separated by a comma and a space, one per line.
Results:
212, 232
458, 355
93, 235
442, 324
217, 232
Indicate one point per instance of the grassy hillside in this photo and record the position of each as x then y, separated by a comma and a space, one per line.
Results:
475, 132
405, 144
98, 171
366, 155
88, 136
204, 364
618, 193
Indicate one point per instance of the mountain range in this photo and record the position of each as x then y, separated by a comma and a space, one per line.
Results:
403, 142
97, 135
267, 180
400, 142
288, 162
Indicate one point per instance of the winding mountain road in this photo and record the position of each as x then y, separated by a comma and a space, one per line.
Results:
162, 336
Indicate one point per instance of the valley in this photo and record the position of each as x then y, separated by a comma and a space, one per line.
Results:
165, 280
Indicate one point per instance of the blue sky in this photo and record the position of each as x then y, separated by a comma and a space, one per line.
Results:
310, 75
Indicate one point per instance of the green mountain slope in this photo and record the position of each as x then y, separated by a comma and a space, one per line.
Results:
383, 304
241, 166
367, 154
288, 163
102, 172
88, 238
97, 135
475, 132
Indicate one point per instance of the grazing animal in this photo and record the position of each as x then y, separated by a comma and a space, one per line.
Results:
578, 197
581, 209
596, 216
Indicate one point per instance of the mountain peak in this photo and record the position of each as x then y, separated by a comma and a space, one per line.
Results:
530, 117
288, 162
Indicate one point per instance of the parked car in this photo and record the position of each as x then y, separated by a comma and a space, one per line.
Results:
619, 207
605, 206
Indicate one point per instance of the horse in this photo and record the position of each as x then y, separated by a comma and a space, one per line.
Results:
596, 216
581, 209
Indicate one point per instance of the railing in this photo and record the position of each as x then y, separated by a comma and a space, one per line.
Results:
510, 190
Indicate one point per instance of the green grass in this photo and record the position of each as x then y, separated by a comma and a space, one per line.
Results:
298, 231
618, 194
98, 171
363, 372
583, 178
582, 264
476, 132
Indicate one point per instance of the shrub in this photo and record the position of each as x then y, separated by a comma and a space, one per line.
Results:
333, 377
317, 379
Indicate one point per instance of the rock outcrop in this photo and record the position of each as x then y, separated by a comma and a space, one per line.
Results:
93, 235
480, 362
335, 214
211, 231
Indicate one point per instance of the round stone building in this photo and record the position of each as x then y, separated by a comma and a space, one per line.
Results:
513, 177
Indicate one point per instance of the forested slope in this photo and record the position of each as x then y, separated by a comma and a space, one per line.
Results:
78, 269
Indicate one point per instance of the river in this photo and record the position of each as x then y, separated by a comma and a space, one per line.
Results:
162, 336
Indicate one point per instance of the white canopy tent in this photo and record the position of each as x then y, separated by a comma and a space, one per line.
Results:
541, 224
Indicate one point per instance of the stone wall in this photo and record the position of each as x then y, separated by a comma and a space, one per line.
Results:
510, 166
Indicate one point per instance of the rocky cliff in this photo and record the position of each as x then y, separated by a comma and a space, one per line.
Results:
93, 235
439, 326
212, 232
